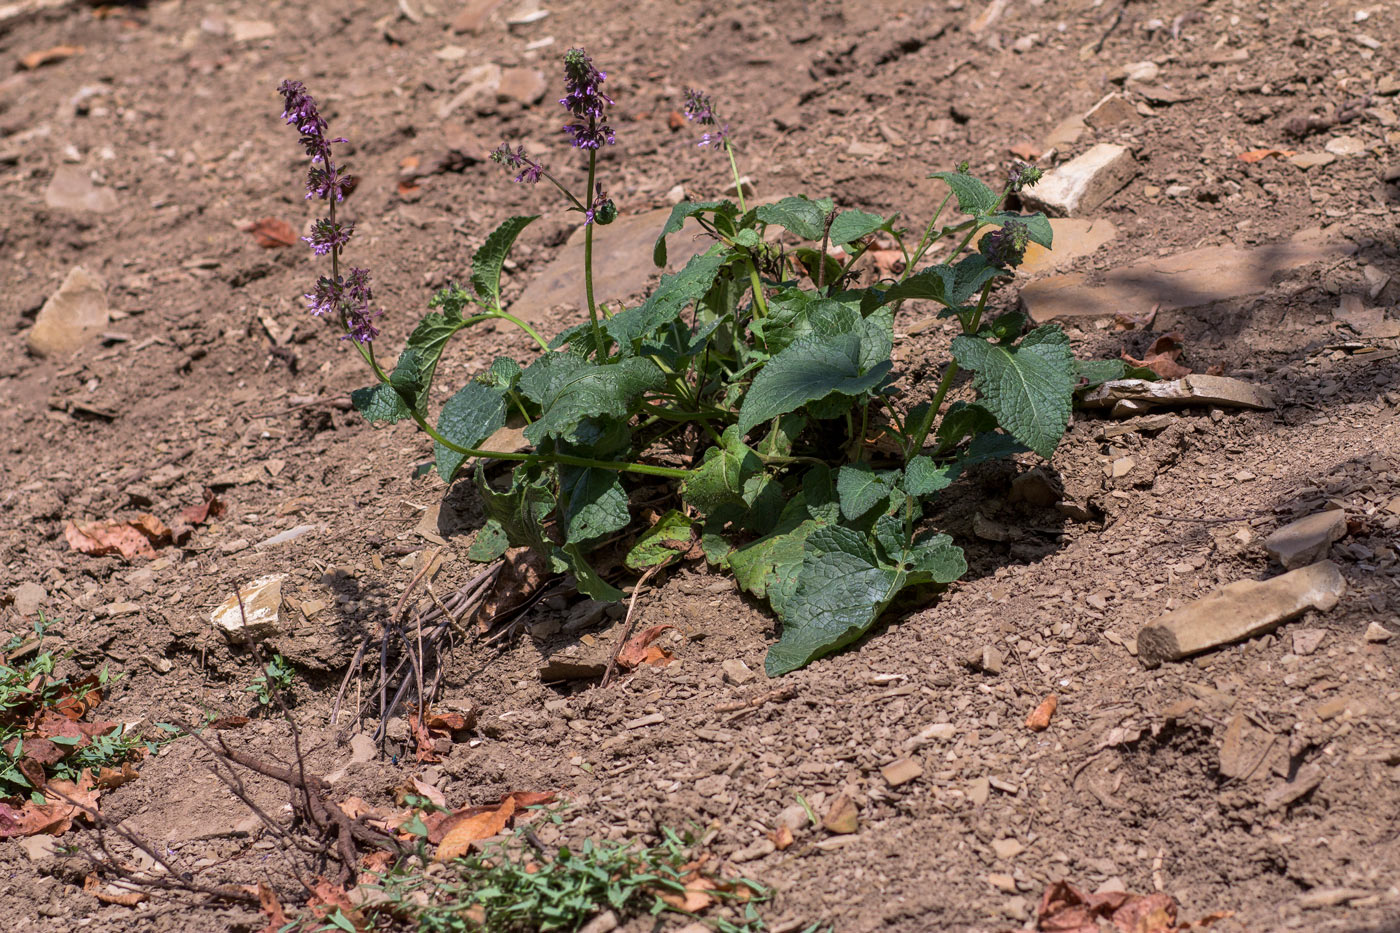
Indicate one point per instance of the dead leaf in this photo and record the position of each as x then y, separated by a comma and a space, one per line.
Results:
1162, 357
521, 575
1122, 321
1258, 155
228, 722
675, 120
1039, 719
1066, 909
64, 801
109, 777
201, 512
271, 233
843, 818
414, 787
92, 885
135, 537
271, 908
327, 897
49, 56
782, 837
696, 897
639, 649
458, 839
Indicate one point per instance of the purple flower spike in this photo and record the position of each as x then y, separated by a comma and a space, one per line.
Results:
583, 99
700, 109
327, 235
530, 170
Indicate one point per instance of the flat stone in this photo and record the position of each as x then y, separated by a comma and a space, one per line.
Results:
1377, 633
38, 848
1346, 146
1190, 279
1083, 183
1308, 539
1239, 610
1307, 640
1007, 848
736, 672
1145, 72
262, 607
362, 749
901, 771
1111, 110
28, 598
1065, 134
978, 790
525, 85
1331, 897
71, 189
71, 316
1368, 322
1195, 389
1307, 160
474, 15
843, 818
250, 30
479, 94
1072, 237
1304, 782
622, 265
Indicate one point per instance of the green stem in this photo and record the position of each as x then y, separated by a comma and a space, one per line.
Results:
534, 335
588, 259
760, 304
919, 433
734, 168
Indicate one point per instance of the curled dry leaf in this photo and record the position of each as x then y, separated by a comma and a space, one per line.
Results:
1039, 719
457, 840
1066, 909
271, 908
521, 575
1162, 357
111, 894
135, 537
1258, 155
49, 56
639, 649
271, 233
64, 802
201, 512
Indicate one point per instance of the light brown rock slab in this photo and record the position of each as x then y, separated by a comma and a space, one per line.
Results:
1083, 183
474, 15
1195, 389
1072, 237
71, 189
1306, 540
259, 615
71, 316
1238, 611
1187, 280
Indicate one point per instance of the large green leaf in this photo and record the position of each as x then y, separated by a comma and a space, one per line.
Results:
673, 295
1029, 387
934, 282
389, 402
852, 225
923, 477
379, 404
719, 480
570, 559
487, 261
569, 388
970, 275
490, 543
521, 510
671, 535
592, 503
683, 212
467, 419
841, 590
973, 196
768, 567
814, 367
802, 216
862, 488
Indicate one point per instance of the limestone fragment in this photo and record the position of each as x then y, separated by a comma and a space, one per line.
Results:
1195, 389
1377, 633
901, 771
1111, 111
259, 615
28, 598
71, 316
1239, 610
1306, 540
1083, 183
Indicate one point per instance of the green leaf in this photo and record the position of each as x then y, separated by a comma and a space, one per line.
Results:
963, 420
680, 214
592, 503
669, 536
800, 215
1007, 327
969, 277
1037, 225
379, 404
768, 567
490, 543
487, 261
974, 197
814, 367
673, 295
934, 282
521, 510
861, 489
570, 559
504, 374
779, 441
467, 419
923, 477
569, 388
852, 225
841, 590
720, 478
1029, 387
935, 559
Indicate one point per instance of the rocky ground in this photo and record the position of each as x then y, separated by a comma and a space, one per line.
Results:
1248, 202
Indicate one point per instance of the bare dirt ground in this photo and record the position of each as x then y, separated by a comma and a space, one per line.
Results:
1177, 779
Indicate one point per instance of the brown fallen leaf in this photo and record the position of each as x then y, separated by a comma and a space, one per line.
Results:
696, 896
49, 56
135, 537
1027, 151
1162, 357
1258, 155
843, 818
1039, 719
417, 788
782, 837
522, 574
228, 722
64, 802
458, 840
271, 233
1066, 909
639, 649
1122, 321
94, 887
109, 777
675, 120
201, 512
271, 907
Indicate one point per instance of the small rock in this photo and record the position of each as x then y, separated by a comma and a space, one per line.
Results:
1377, 633
793, 817
1119, 467
473, 16
1307, 160
867, 150
978, 790
843, 818
1083, 183
1146, 72
251, 30
676, 195
988, 660
1239, 610
1307, 640
1304, 782
754, 850
362, 749
526, 14
479, 95
1065, 134
259, 618
736, 672
28, 598
1195, 389
605, 922
1346, 146
1331, 897
1004, 883
1112, 110
641, 722
71, 316
40, 847
1306, 540
526, 85
901, 771
1007, 848
712, 786
989, 529
72, 189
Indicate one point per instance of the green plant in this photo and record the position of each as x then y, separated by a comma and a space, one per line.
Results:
757, 382
512, 887
275, 677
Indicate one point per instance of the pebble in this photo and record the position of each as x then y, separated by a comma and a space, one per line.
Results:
259, 618
1111, 110
362, 748
652, 719
1306, 540
1083, 183
978, 790
473, 16
28, 598
1146, 72
525, 85
793, 817
901, 771
251, 30
754, 850
736, 672
1004, 883
1307, 640
71, 316
1007, 848
1377, 633
843, 818
1307, 160
1346, 146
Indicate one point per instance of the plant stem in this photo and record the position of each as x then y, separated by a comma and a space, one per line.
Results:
534, 335
760, 304
919, 433
738, 184
588, 259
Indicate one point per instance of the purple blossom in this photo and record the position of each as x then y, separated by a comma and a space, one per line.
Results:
1007, 247
699, 108
327, 234
601, 209
530, 170
1023, 176
583, 99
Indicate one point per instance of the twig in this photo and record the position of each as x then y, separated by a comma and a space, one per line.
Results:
630, 622
776, 695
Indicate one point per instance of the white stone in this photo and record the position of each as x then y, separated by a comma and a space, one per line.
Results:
260, 613
71, 316
71, 189
1306, 540
1083, 183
